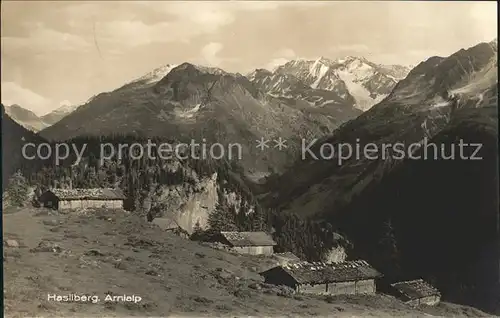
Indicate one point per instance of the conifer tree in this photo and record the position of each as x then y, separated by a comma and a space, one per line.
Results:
222, 219
17, 190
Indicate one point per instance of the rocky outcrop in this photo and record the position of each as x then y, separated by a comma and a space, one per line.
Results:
188, 205
335, 255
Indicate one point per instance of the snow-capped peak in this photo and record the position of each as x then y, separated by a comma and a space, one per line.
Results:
66, 108
260, 71
157, 74
318, 70
367, 82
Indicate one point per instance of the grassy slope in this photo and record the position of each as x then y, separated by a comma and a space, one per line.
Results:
112, 251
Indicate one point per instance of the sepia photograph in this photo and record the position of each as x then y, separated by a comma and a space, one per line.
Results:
250, 159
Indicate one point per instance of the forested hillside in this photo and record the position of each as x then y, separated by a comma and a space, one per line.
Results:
437, 218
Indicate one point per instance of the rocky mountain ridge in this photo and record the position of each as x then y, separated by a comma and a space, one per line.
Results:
409, 216
58, 114
25, 117
196, 102
14, 137
355, 80
420, 106
31, 121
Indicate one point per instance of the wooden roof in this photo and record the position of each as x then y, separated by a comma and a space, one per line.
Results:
88, 194
415, 289
320, 273
248, 238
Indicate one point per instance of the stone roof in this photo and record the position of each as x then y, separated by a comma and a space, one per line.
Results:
248, 238
320, 273
88, 194
415, 289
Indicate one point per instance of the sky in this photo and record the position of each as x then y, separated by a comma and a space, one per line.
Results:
65, 52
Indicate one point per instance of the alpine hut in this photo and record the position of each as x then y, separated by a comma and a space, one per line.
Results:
352, 277
416, 292
253, 243
64, 199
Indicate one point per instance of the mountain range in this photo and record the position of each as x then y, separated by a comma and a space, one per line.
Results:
14, 136
436, 210
353, 80
31, 121
419, 106
191, 101
438, 215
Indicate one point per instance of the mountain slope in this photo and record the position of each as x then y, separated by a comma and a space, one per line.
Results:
203, 103
58, 114
14, 137
31, 121
444, 214
439, 214
113, 252
420, 106
355, 80
289, 87
25, 117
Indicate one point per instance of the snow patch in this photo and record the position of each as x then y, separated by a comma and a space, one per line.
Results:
157, 74
189, 113
326, 102
362, 96
66, 109
318, 70
441, 104
480, 99
438, 102
360, 70
391, 77
479, 81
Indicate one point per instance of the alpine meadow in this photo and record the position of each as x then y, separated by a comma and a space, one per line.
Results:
250, 158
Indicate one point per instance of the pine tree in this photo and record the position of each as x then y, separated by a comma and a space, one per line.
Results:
197, 232
17, 190
222, 219
258, 219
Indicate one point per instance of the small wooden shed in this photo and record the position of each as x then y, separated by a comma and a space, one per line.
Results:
353, 277
253, 243
416, 292
63, 199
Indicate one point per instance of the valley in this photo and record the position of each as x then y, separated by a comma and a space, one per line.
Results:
282, 171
